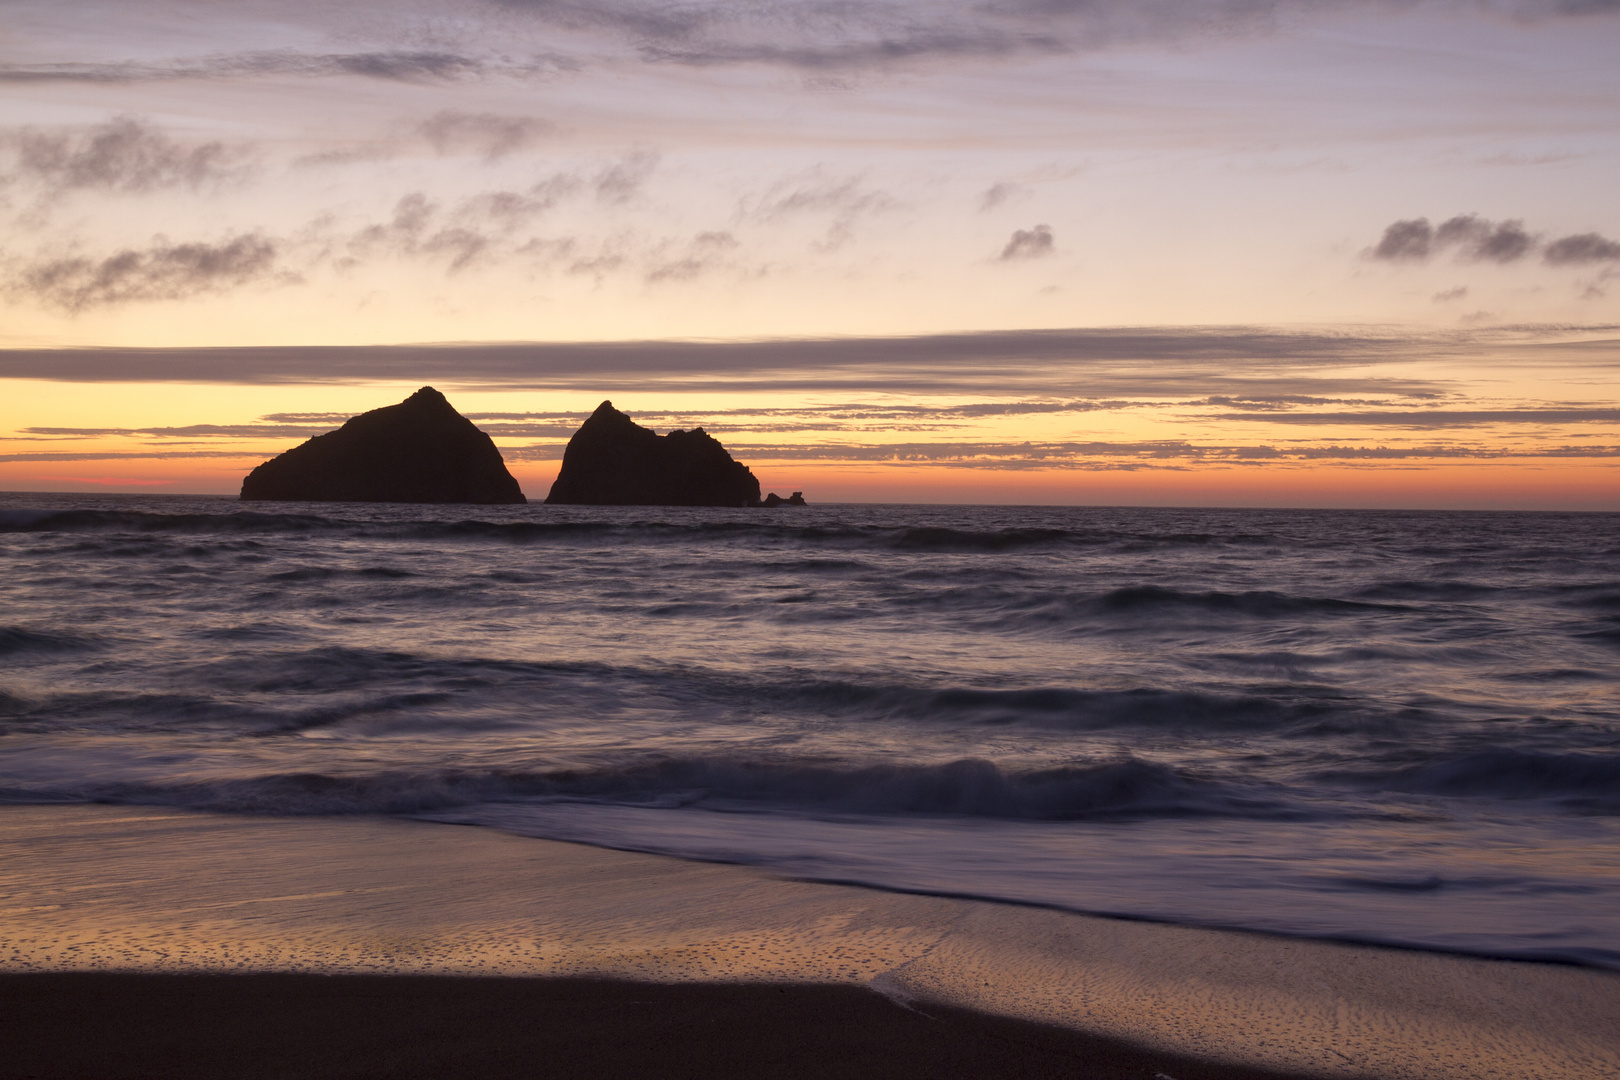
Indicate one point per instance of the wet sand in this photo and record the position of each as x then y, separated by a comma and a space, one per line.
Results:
242, 1027
509, 955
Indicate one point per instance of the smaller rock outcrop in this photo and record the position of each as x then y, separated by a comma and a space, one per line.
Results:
773, 500
614, 461
419, 451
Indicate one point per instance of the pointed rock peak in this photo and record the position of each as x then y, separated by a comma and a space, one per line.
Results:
419, 451
614, 461
429, 396
607, 418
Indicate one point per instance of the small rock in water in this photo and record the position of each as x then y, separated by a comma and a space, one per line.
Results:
419, 451
774, 500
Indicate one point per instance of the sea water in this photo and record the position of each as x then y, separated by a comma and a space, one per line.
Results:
1379, 726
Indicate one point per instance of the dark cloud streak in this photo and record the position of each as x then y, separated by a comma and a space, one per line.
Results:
822, 35
388, 66
1434, 418
1178, 362
1102, 455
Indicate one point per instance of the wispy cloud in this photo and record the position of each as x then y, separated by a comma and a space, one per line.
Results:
1476, 239
160, 271
622, 180
813, 36
842, 201
1028, 244
390, 66
191, 431
490, 135
418, 229
1152, 454
821, 35
705, 252
999, 193
123, 455
123, 155
1435, 418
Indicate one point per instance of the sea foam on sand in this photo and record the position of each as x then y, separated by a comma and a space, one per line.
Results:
132, 889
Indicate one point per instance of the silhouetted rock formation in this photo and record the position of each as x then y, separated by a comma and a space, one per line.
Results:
419, 451
614, 461
773, 500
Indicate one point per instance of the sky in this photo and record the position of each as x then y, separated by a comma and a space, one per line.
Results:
1206, 252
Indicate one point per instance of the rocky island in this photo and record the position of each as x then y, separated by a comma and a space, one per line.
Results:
614, 461
419, 451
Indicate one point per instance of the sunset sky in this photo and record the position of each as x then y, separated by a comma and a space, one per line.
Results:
1208, 252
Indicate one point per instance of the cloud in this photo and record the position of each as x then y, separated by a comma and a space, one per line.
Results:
996, 194
1028, 244
1406, 241
845, 200
813, 36
1132, 455
1446, 297
193, 431
1582, 248
943, 43
509, 208
1142, 362
490, 135
814, 193
822, 35
1437, 418
619, 182
1471, 236
1484, 241
119, 455
707, 251
162, 271
390, 66
1585, 7
1477, 239
123, 155
414, 230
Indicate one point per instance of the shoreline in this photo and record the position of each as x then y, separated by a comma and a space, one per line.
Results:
149, 892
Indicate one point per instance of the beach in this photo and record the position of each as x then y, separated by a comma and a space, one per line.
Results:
142, 941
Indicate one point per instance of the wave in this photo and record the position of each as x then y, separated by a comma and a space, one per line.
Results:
1428, 590
1143, 708
21, 639
722, 525
1255, 602
270, 689
325, 573
1124, 789
1588, 781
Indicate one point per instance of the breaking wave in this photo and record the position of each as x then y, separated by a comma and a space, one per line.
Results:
965, 788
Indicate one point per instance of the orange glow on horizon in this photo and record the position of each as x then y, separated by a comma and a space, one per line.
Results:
1487, 485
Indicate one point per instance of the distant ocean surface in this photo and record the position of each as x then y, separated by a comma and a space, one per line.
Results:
1376, 726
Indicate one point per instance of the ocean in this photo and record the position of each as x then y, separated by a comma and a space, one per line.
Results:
1391, 727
